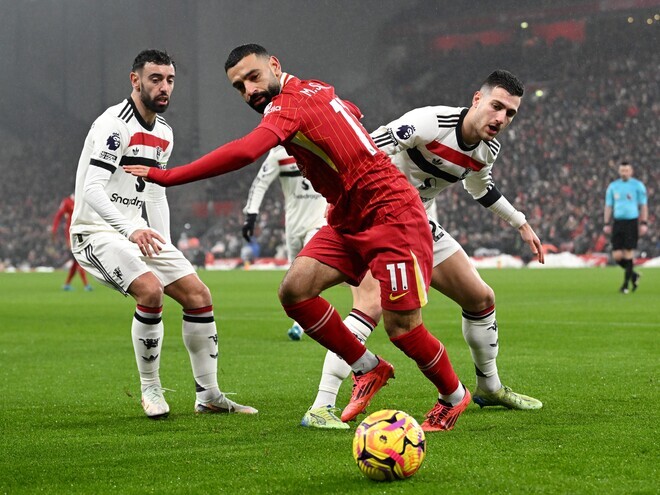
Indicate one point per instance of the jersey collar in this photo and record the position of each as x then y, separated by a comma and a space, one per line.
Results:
285, 78
138, 116
459, 133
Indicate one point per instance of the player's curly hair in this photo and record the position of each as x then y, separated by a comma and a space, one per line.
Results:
240, 52
504, 79
157, 57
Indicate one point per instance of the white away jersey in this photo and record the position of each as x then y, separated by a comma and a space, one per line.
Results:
120, 137
427, 146
304, 207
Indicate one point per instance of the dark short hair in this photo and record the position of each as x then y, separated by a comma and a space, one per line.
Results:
625, 163
157, 57
240, 52
504, 79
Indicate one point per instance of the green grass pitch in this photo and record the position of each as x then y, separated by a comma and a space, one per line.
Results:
71, 421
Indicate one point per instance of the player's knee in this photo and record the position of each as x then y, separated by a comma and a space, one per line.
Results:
199, 296
373, 309
480, 300
287, 293
488, 297
150, 294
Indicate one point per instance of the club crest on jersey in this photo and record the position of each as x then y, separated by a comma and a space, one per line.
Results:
113, 141
159, 151
405, 131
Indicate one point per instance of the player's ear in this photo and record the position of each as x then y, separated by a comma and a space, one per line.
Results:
476, 98
275, 65
135, 81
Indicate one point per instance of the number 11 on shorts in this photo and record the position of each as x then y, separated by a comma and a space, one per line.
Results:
399, 268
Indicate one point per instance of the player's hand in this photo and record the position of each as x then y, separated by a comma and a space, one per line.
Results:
137, 170
531, 239
248, 226
149, 241
607, 229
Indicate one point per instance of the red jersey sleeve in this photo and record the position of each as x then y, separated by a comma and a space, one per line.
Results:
227, 158
352, 107
281, 116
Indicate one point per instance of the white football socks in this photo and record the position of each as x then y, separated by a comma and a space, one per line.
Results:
200, 337
147, 334
336, 370
481, 335
455, 397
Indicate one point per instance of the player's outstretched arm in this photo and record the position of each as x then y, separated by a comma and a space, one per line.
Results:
531, 239
227, 158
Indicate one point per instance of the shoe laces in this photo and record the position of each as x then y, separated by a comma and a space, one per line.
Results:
360, 382
155, 392
512, 396
331, 412
438, 413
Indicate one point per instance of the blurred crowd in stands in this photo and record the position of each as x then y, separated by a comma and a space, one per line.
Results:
586, 108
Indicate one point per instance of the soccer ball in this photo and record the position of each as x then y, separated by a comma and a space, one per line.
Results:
389, 445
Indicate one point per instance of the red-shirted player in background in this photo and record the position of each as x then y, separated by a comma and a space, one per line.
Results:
64, 211
376, 221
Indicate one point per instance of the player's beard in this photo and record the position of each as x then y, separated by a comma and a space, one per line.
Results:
151, 103
268, 95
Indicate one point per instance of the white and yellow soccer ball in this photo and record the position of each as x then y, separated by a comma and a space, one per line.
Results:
389, 445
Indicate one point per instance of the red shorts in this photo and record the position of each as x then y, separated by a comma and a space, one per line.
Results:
398, 251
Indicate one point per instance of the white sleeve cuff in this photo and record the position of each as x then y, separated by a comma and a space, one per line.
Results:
505, 210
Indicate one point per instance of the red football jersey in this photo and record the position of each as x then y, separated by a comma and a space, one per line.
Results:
336, 154
65, 210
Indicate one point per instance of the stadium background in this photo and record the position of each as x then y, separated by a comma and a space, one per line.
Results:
590, 68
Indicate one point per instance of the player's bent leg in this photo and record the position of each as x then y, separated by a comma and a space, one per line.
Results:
335, 371
366, 298
361, 321
147, 334
480, 330
456, 278
307, 278
433, 361
298, 294
200, 338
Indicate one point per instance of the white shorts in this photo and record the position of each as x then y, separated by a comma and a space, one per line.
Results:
115, 261
444, 245
294, 244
